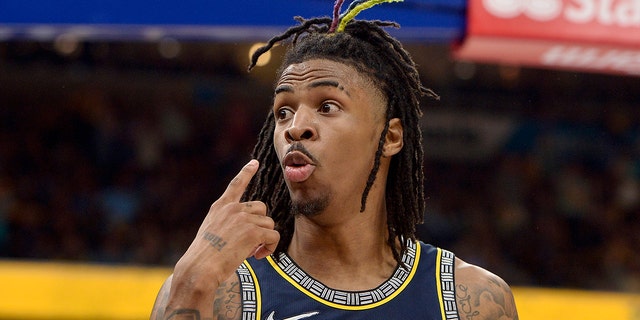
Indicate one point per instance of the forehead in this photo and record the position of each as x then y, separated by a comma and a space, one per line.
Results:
322, 69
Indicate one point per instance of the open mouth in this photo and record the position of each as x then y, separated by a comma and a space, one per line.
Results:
298, 167
296, 159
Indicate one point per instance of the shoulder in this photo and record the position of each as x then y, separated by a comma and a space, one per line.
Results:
227, 304
482, 295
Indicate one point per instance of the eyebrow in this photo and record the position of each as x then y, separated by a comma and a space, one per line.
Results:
315, 84
325, 83
284, 88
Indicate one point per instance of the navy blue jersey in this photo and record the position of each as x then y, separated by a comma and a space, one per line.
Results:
280, 290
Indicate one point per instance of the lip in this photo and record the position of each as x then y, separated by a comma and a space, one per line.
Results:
296, 158
298, 167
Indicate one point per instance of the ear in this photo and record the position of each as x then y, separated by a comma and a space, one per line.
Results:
394, 140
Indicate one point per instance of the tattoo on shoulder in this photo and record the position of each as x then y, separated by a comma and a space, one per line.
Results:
215, 241
490, 299
228, 302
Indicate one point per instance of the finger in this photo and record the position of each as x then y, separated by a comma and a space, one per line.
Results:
255, 251
255, 207
264, 222
269, 246
262, 252
250, 219
239, 183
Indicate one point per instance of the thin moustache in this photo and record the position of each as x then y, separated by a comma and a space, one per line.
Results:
298, 146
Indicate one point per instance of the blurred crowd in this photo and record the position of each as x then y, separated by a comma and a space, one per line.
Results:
87, 176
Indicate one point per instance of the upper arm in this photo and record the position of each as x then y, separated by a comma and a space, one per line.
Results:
226, 306
228, 302
481, 295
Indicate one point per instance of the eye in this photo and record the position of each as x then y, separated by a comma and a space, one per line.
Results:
283, 114
328, 107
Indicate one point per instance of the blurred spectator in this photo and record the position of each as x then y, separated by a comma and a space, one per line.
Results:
96, 173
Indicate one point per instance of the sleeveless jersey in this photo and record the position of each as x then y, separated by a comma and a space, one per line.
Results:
280, 290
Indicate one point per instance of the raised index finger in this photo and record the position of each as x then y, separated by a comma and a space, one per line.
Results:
239, 183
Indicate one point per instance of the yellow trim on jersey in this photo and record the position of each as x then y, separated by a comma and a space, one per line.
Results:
257, 288
343, 307
438, 283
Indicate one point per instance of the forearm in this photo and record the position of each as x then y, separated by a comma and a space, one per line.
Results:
180, 299
192, 291
186, 314
190, 304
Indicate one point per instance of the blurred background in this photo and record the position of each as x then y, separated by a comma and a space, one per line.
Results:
113, 146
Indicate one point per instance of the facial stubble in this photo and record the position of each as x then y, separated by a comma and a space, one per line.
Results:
310, 207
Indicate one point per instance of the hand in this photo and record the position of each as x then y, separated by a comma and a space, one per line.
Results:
231, 232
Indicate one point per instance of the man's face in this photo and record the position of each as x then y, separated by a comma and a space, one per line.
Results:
329, 119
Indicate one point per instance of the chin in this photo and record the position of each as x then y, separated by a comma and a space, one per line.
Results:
309, 207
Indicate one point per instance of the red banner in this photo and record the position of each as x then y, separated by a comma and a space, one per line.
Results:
590, 35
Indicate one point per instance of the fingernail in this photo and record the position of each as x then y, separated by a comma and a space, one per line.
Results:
253, 163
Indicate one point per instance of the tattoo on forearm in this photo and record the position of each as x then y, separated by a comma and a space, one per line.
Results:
161, 303
228, 302
184, 314
215, 241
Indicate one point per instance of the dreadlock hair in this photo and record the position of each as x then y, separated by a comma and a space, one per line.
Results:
365, 46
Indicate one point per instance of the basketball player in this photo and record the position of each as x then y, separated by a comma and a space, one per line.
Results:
326, 211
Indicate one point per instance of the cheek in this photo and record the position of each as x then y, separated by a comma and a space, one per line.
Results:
368, 138
278, 141
357, 149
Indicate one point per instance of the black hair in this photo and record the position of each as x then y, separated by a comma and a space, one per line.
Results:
367, 47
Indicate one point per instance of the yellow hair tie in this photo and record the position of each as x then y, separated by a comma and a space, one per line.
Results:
357, 9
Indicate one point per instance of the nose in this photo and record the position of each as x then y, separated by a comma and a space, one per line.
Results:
302, 127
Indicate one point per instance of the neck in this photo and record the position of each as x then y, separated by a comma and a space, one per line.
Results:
345, 250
